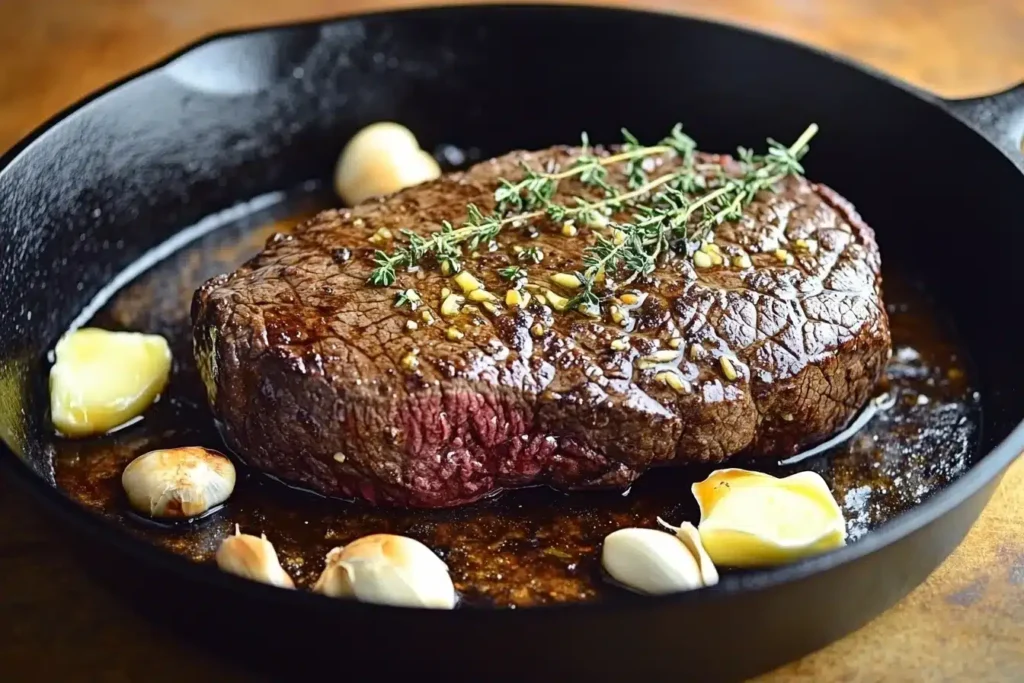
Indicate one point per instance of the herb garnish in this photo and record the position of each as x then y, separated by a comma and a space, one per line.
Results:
673, 212
666, 220
531, 254
513, 273
535, 190
408, 297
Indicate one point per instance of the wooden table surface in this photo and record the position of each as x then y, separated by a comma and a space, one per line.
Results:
965, 623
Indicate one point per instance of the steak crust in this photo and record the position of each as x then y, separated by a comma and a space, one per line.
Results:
303, 362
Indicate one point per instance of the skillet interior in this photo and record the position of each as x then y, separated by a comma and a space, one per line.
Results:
521, 548
243, 116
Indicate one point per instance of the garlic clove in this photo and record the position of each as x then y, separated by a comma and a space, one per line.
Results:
336, 579
103, 379
752, 519
688, 534
387, 569
252, 558
178, 483
650, 561
380, 159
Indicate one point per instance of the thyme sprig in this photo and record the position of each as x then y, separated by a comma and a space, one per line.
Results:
682, 207
523, 201
536, 188
445, 245
667, 218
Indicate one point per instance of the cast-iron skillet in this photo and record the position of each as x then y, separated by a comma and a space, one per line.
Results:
247, 113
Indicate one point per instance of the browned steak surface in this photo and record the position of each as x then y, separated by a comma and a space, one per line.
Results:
303, 361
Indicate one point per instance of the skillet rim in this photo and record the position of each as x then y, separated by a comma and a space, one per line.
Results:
988, 468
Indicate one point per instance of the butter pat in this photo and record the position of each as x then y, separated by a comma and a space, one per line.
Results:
752, 519
103, 379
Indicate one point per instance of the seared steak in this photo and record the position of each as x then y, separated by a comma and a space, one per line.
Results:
320, 380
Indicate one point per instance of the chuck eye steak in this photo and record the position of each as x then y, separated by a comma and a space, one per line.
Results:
320, 380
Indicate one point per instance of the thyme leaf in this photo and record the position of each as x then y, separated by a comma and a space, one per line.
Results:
513, 273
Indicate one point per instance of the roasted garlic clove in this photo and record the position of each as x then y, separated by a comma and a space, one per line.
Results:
178, 482
252, 558
387, 569
103, 379
752, 519
650, 561
380, 159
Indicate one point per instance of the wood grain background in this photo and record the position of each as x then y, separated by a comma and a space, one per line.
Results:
965, 623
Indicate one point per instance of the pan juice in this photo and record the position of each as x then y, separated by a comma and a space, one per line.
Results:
519, 548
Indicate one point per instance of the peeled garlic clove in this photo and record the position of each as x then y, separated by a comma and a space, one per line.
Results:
178, 483
387, 569
336, 579
252, 558
103, 379
650, 561
752, 519
380, 159
688, 534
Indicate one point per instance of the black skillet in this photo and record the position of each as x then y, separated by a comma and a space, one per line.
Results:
244, 114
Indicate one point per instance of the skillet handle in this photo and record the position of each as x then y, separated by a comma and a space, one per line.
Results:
999, 117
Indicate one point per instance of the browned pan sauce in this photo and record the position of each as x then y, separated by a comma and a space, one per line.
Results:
525, 547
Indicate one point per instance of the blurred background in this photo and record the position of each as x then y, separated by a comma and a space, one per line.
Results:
965, 623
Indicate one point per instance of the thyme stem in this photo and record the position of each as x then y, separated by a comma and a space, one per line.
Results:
662, 224
609, 160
